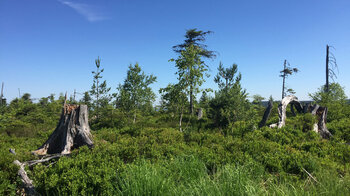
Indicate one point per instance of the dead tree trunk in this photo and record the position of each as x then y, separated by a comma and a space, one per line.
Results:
321, 113
266, 114
320, 127
282, 107
292, 109
327, 69
71, 132
199, 113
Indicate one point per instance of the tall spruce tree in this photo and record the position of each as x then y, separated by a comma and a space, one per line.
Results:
190, 63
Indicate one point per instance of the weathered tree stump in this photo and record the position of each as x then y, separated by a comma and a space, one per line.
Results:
266, 114
321, 113
320, 127
71, 132
282, 107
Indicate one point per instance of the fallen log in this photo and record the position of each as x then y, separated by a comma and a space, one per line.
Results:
27, 182
71, 132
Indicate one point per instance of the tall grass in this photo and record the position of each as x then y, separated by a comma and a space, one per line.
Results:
188, 176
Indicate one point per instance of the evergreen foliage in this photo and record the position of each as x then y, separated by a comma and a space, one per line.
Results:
190, 65
222, 153
230, 103
99, 90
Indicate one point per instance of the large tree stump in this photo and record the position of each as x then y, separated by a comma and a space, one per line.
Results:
71, 132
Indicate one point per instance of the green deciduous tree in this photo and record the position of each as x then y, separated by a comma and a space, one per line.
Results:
336, 93
190, 65
135, 94
99, 90
174, 100
334, 99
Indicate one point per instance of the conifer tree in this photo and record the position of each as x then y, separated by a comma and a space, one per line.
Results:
99, 90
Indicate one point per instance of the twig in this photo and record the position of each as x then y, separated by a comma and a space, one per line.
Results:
309, 175
33, 162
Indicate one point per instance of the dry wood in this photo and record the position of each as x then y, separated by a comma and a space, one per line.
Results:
320, 127
199, 113
33, 162
266, 114
321, 113
27, 183
71, 132
309, 175
282, 109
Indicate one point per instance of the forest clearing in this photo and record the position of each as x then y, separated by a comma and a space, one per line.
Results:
184, 120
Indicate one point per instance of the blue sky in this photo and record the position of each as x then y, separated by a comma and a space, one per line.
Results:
49, 46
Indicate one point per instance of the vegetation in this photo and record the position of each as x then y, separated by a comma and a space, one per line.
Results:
168, 151
98, 90
190, 64
287, 70
135, 94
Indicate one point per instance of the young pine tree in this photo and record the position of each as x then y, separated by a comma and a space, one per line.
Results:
99, 90
230, 103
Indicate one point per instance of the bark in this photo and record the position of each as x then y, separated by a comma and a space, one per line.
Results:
266, 114
27, 182
321, 113
191, 100
200, 114
327, 69
306, 107
282, 107
320, 127
298, 106
292, 109
134, 120
71, 132
284, 77
180, 121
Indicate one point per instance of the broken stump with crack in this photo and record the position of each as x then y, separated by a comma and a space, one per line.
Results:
72, 131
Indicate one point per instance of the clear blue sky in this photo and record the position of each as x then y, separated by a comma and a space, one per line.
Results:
49, 46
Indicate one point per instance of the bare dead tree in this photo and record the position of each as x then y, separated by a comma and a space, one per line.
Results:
331, 66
